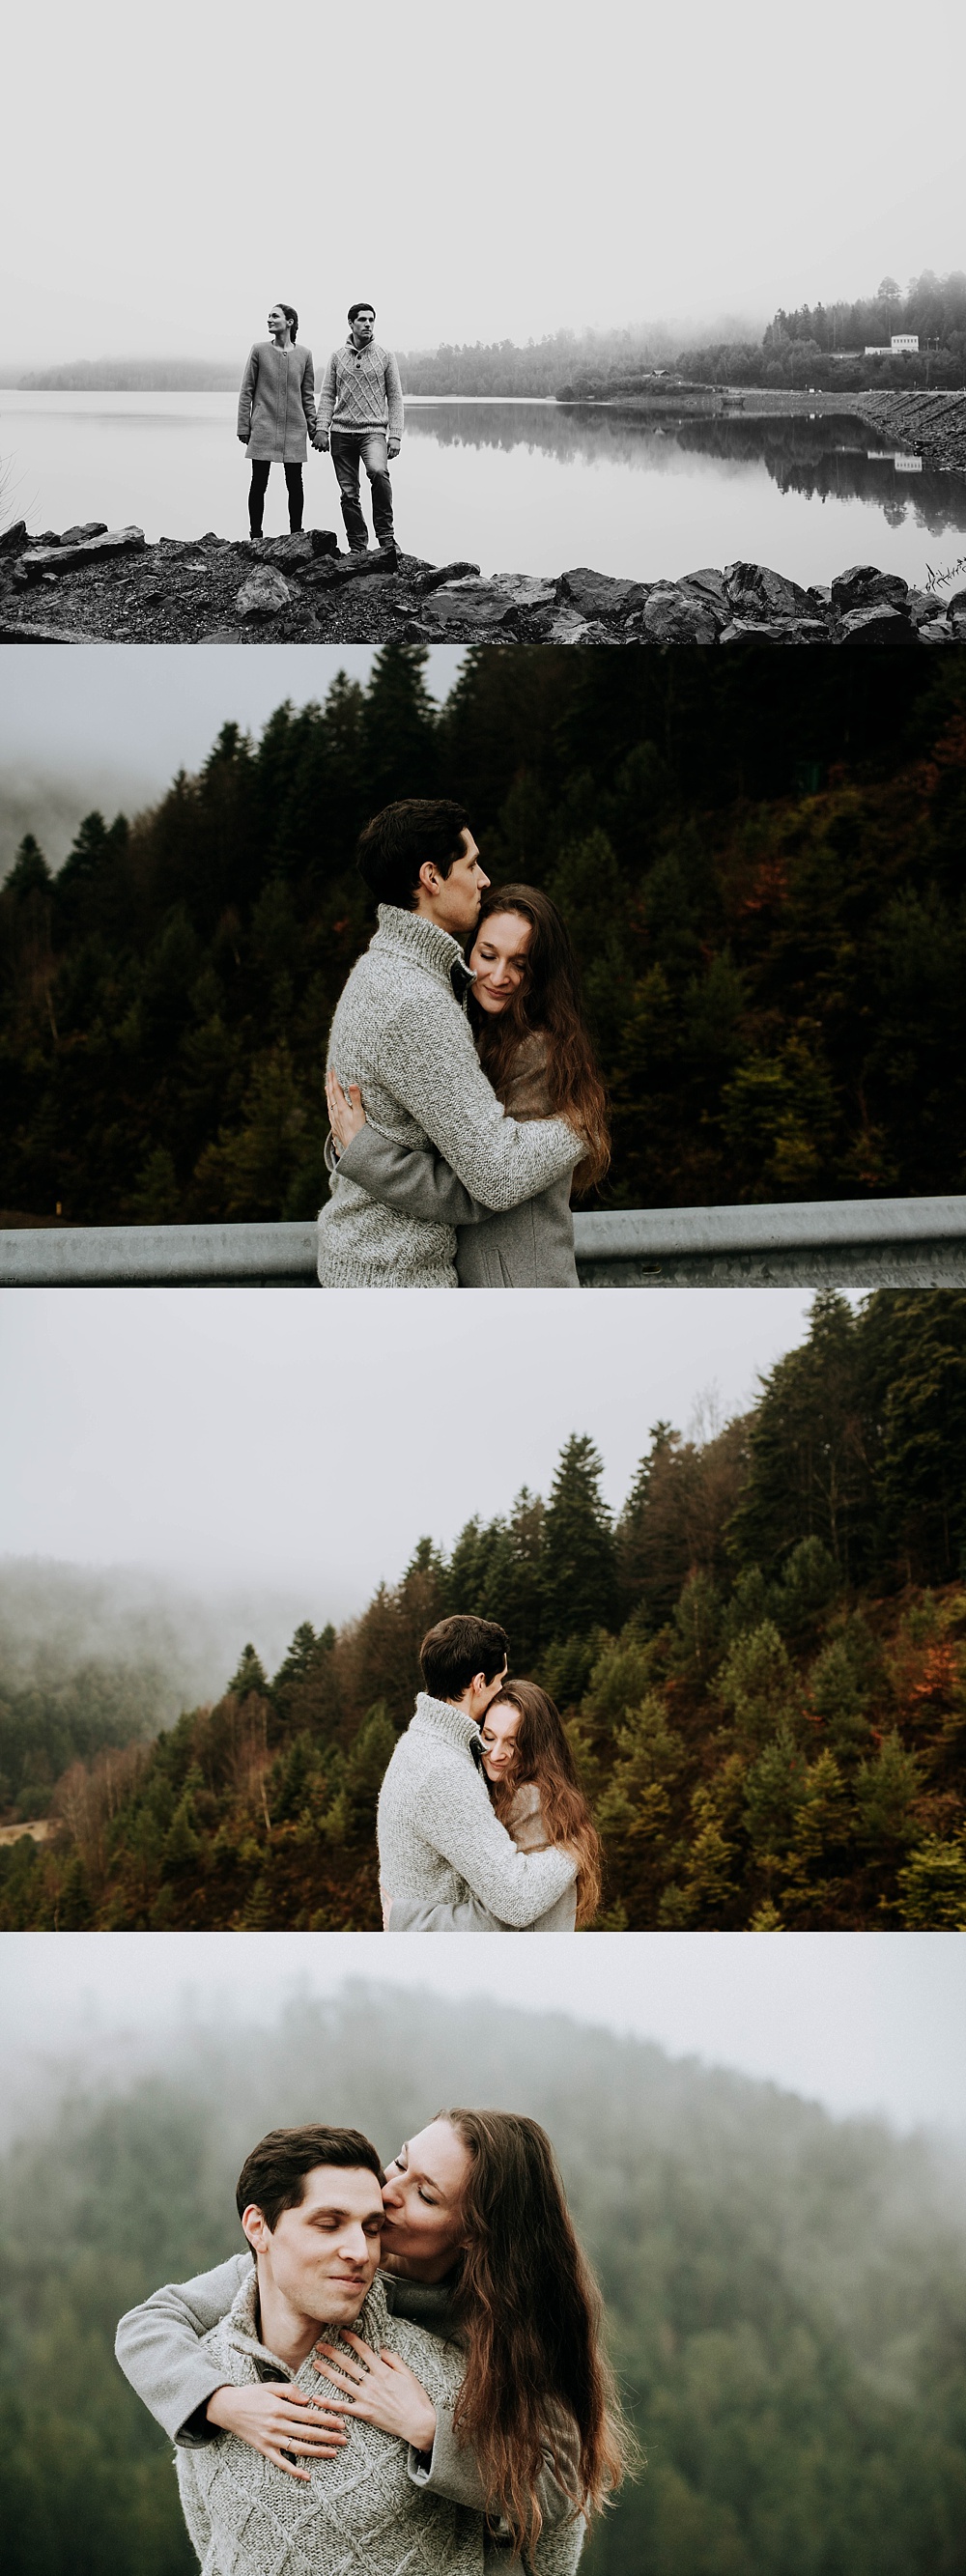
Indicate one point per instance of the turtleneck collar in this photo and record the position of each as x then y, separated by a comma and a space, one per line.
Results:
442, 1717
425, 944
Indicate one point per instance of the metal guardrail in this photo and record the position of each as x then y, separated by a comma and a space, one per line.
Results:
845, 1243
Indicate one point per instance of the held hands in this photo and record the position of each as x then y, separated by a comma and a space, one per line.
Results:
382, 2391
274, 2418
392, 449
322, 442
346, 1113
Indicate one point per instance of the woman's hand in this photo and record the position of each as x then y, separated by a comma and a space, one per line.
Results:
346, 1113
382, 2391
274, 2418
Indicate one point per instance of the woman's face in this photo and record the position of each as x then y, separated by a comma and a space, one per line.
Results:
498, 1739
277, 320
423, 2200
498, 959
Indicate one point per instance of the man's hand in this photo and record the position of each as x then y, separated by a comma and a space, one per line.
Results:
392, 448
382, 2391
322, 442
274, 2418
243, 438
346, 1113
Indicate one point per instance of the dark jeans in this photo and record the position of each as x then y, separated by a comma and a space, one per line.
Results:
261, 468
350, 449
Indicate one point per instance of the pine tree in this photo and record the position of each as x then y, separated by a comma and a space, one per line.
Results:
578, 1571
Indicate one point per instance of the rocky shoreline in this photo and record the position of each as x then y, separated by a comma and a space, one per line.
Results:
95, 585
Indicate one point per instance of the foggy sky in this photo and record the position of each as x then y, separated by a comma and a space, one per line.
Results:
294, 1439
480, 173
862, 2022
109, 727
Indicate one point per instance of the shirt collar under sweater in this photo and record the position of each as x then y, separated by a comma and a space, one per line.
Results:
424, 944
441, 1717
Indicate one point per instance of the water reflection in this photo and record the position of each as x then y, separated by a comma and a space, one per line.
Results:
831, 457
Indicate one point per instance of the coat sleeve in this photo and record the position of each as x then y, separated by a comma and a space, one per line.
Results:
247, 395
158, 2346
428, 1062
456, 1817
394, 397
308, 393
409, 1177
451, 2470
327, 395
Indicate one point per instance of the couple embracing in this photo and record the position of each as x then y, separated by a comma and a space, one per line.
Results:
464, 1099
403, 2374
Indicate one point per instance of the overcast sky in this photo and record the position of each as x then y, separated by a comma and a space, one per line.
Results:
109, 726
863, 2022
288, 1438
479, 172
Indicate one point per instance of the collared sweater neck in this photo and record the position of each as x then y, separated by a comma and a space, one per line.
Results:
424, 943
442, 1717
242, 2323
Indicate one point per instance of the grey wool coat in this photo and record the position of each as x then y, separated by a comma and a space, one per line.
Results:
400, 1032
165, 2349
276, 405
528, 1246
440, 1843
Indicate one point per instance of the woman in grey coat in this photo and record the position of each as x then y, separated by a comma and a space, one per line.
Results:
525, 1010
276, 413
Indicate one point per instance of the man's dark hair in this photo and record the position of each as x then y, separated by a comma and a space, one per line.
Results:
396, 843
364, 307
456, 1650
273, 2176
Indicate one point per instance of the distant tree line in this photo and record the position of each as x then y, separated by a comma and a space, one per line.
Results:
762, 1663
808, 347
761, 867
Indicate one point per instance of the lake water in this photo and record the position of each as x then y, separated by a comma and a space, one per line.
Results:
515, 486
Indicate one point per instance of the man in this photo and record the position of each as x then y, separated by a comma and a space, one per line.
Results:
401, 1033
360, 413
445, 1863
310, 2204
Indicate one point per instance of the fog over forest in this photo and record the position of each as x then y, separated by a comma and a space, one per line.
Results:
784, 2290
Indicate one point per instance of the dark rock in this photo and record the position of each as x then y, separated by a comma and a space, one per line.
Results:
753, 590
956, 606
14, 538
431, 580
936, 630
264, 594
12, 632
93, 550
709, 586
480, 605
865, 587
595, 594
921, 606
674, 617
330, 572
877, 624
289, 554
78, 536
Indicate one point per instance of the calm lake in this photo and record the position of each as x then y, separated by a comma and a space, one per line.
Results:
515, 486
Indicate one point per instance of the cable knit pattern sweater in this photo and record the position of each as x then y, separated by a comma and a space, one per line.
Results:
439, 1840
400, 1033
276, 405
361, 390
361, 2514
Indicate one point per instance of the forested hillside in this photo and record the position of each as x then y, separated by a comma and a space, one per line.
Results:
764, 883
762, 1663
784, 2291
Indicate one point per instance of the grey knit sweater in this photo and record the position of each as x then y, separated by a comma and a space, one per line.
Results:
439, 1840
360, 390
276, 404
400, 1033
361, 2514
525, 1823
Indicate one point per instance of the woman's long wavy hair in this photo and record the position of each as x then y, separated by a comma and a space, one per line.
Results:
542, 1753
529, 2316
549, 999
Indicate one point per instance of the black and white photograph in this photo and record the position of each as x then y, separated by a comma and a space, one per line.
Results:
482, 807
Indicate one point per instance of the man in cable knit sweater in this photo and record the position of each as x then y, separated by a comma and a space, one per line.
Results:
440, 1844
401, 1033
310, 2204
360, 415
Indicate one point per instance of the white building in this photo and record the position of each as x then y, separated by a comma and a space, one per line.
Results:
900, 340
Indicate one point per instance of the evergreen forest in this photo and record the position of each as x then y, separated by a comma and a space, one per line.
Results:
784, 2291
759, 856
761, 1661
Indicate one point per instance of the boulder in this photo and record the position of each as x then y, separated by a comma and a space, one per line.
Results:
74, 558
675, 617
757, 630
923, 605
435, 579
79, 536
595, 594
291, 553
264, 594
956, 606
866, 587
14, 538
877, 624
709, 586
483, 606
753, 590
329, 572
935, 630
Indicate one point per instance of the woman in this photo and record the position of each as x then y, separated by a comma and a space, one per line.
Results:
479, 2247
526, 1013
537, 1796
276, 413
